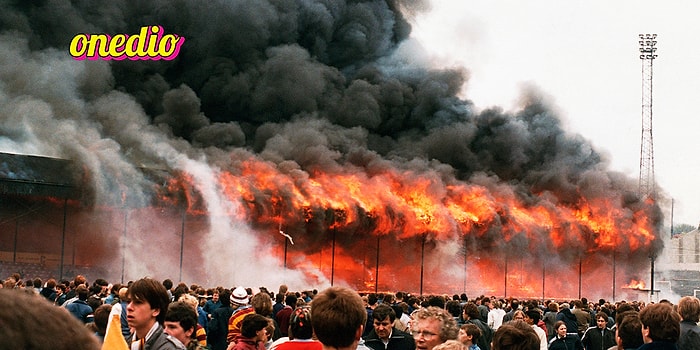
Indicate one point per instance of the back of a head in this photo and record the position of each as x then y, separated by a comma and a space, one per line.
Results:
300, 324
262, 304
629, 329
290, 300
82, 292
225, 297
29, 322
662, 322
102, 317
153, 292
337, 314
689, 308
515, 335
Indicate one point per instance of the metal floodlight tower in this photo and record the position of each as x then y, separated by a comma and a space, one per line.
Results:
647, 53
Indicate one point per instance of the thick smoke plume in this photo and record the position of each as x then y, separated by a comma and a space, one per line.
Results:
270, 113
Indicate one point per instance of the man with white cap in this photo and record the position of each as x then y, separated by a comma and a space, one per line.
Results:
241, 307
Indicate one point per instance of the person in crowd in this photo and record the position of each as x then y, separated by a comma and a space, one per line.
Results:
515, 335
599, 337
661, 327
371, 303
80, 308
583, 317
628, 331
550, 318
278, 305
495, 316
563, 340
384, 336
433, 326
300, 333
240, 303
113, 296
181, 323
145, 313
28, 322
455, 309
200, 332
49, 290
514, 305
262, 304
254, 333
689, 310
72, 292
532, 318
338, 317
100, 321
218, 324
124, 302
213, 303
468, 334
568, 318
285, 313
484, 308
471, 314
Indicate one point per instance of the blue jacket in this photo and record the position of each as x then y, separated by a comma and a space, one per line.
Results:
80, 309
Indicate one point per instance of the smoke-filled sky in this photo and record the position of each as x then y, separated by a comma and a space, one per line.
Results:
584, 56
310, 117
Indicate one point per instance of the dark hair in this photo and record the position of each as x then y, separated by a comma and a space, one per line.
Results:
291, 300
182, 312
534, 315
471, 310
383, 311
252, 323
300, 323
225, 297
82, 292
154, 293
629, 330
437, 300
473, 330
102, 317
663, 322
168, 283
515, 335
454, 308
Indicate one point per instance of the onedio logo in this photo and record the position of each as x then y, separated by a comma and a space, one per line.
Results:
149, 44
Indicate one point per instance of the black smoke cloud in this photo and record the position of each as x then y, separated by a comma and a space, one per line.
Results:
304, 84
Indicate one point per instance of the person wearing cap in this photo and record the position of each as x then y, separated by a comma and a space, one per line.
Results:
241, 308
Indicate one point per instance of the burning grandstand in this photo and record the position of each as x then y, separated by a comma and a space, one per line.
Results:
296, 142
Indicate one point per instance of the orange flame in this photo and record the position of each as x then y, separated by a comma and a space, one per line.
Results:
409, 204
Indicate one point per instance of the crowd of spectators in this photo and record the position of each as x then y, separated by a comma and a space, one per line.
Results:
163, 315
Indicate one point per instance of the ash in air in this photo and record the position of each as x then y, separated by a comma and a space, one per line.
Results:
309, 122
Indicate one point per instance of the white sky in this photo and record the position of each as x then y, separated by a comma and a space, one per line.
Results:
585, 56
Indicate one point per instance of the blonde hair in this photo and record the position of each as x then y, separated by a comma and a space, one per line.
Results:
190, 300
